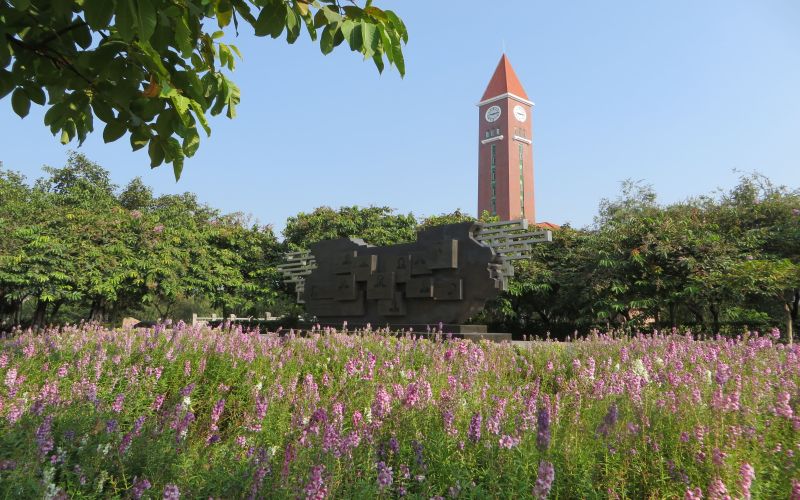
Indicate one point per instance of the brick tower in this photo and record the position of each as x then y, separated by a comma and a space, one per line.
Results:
505, 148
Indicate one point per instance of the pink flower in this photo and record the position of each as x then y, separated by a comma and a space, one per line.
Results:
693, 494
118, 402
747, 474
158, 402
717, 490
795, 494
508, 442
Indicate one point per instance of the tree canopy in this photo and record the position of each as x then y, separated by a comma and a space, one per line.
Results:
155, 69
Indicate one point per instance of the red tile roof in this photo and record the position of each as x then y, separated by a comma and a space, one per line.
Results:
547, 225
504, 81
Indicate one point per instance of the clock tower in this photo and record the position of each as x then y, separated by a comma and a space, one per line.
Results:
505, 147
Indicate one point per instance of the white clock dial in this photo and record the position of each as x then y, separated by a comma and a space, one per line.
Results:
519, 113
493, 113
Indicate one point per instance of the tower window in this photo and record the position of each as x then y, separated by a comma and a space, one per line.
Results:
521, 181
494, 188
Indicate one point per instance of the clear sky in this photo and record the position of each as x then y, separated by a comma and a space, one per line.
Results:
677, 94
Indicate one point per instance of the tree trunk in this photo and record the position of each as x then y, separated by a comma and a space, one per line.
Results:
698, 315
789, 322
97, 311
54, 310
39, 314
672, 318
714, 309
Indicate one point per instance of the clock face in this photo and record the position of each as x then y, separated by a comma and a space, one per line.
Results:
519, 113
493, 113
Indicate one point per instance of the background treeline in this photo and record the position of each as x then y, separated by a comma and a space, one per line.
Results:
74, 246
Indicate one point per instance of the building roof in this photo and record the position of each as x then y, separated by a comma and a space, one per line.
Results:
547, 225
504, 81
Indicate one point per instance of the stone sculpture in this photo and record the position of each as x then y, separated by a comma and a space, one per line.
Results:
445, 276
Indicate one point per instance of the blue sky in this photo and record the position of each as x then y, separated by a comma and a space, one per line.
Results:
677, 94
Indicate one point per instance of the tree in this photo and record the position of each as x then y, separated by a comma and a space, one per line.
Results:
154, 69
375, 225
450, 218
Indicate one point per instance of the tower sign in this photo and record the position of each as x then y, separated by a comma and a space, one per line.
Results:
505, 148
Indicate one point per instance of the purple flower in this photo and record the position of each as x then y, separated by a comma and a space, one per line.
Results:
315, 489
544, 480
171, 492
474, 431
139, 485
111, 426
543, 429
44, 438
384, 475
417, 446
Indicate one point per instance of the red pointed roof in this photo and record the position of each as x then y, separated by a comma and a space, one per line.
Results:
504, 81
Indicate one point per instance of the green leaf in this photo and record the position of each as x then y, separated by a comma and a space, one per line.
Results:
6, 82
191, 142
292, 25
102, 110
21, 4
126, 19
183, 37
378, 62
64, 137
370, 38
156, 152
139, 138
35, 93
201, 117
177, 168
147, 19
271, 20
82, 36
398, 59
114, 131
98, 13
20, 103
181, 104
326, 40
224, 13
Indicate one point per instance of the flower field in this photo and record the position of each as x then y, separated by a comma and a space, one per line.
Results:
197, 412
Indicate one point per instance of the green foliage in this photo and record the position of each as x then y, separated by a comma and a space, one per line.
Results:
451, 218
701, 263
155, 69
72, 241
375, 225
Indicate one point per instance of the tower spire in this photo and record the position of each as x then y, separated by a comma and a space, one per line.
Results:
504, 81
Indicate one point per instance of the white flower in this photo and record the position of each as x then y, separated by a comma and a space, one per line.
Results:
50, 489
616, 367
368, 414
639, 369
708, 376
186, 402
659, 362
259, 386
305, 420
272, 451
